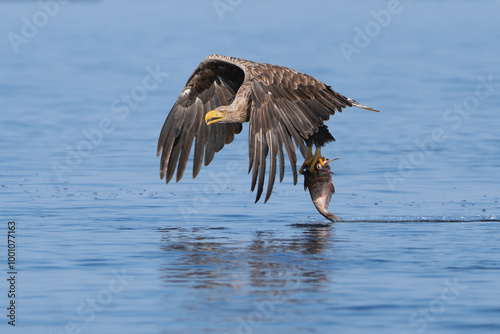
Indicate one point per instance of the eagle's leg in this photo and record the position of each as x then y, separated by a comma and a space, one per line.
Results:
312, 160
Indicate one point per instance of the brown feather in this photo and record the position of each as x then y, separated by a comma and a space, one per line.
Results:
284, 108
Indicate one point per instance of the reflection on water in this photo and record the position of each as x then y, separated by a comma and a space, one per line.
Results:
208, 258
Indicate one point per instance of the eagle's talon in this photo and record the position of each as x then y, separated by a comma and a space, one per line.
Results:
312, 160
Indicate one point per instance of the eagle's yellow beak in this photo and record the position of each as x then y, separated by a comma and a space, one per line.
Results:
214, 116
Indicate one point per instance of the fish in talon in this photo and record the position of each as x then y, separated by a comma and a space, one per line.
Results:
319, 182
286, 111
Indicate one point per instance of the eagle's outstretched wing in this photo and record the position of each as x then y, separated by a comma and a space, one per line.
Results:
213, 83
287, 108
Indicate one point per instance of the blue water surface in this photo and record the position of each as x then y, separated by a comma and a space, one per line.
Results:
104, 246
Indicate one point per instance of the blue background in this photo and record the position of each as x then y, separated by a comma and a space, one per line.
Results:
105, 246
